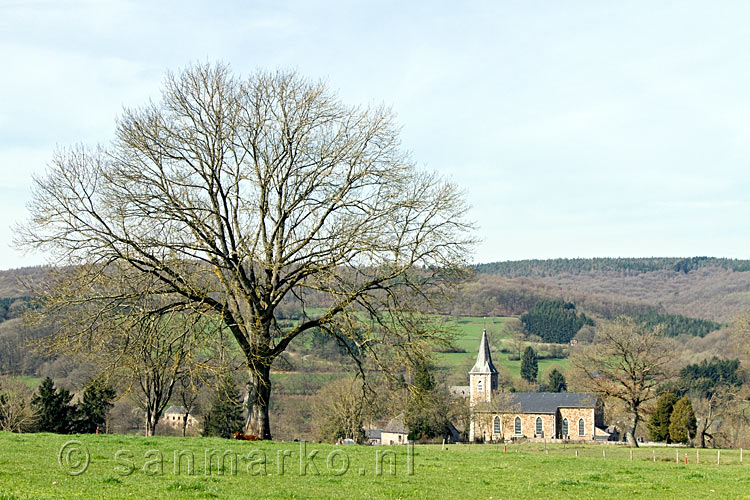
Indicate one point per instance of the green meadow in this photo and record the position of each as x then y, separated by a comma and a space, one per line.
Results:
468, 333
41, 466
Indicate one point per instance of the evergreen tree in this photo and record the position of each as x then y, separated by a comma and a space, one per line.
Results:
423, 379
52, 407
529, 365
682, 424
225, 417
557, 382
426, 411
91, 412
658, 424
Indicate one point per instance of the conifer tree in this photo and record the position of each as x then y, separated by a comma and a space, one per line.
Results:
557, 382
91, 412
529, 365
682, 424
658, 424
225, 417
53, 409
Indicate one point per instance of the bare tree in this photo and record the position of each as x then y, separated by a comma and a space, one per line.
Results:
340, 409
234, 194
16, 413
627, 362
189, 387
156, 360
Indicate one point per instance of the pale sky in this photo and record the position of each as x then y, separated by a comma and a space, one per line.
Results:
576, 128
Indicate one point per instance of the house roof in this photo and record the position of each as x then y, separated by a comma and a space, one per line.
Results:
543, 402
459, 390
373, 433
175, 409
484, 359
397, 425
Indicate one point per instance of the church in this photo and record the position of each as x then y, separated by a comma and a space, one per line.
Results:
534, 416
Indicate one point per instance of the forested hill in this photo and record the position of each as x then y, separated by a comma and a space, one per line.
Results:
709, 288
540, 268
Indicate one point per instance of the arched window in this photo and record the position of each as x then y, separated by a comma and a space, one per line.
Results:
539, 426
581, 427
517, 426
565, 427
496, 426
479, 386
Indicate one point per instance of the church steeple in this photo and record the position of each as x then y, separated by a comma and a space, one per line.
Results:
484, 358
483, 375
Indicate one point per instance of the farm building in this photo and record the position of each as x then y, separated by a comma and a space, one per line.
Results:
395, 432
174, 415
527, 415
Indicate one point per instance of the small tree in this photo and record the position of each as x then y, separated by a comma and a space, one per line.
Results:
53, 409
557, 382
91, 412
16, 414
427, 408
225, 417
658, 424
529, 365
682, 424
339, 410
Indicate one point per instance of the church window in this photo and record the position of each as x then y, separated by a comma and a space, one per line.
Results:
539, 426
581, 427
496, 426
517, 426
565, 427
479, 386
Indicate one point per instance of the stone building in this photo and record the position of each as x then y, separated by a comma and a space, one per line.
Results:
174, 417
539, 416
395, 432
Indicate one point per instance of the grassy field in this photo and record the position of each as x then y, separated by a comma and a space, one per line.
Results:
469, 332
30, 468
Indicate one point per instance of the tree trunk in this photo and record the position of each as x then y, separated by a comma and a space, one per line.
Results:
630, 434
150, 427
184, 423
151, 420
259, 394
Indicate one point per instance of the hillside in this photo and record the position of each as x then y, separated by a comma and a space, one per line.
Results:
707, 288
704, 287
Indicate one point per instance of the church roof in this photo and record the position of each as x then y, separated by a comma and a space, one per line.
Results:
543, 402
484, 359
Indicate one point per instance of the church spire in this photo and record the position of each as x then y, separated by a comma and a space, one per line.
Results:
484, 359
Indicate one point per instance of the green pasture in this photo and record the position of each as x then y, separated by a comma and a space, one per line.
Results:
40, 466
468, 334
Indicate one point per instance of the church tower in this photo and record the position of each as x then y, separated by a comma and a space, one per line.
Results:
483, 376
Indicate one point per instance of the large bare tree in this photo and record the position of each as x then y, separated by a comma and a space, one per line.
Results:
627, 362
231, 194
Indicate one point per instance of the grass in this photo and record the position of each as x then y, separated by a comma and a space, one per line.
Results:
29, 469
469, 332
32, 382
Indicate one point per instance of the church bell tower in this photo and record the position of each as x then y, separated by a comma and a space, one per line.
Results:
483, 376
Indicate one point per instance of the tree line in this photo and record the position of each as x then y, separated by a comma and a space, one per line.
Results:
554, 321
543, 267
677, 324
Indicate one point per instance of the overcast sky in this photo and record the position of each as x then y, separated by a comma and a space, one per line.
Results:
576, 129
